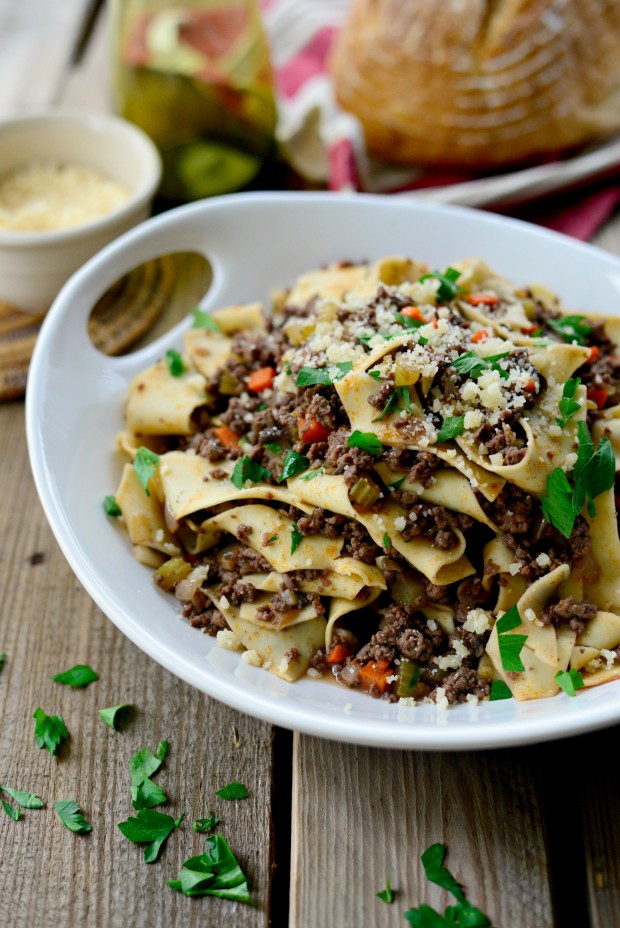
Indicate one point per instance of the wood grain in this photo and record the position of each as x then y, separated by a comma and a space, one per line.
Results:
49, 624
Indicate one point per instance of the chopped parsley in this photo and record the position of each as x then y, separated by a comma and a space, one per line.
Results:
461, 915
214, 873
573, 329
390, 407
569, 680
557, 505
205, 824
68, 811
174, 361
387, 894
432, 861
499, 690
510, 646
111, 506
471, 363
115, 715
386, 540
247, 469
2, 659
49, 730
448, 287
294, 463
11, 811
408, 322
313, 473
452, 426
274, 446
203, 320
271, 540
79, 676
375, 374
296, 537
323, 376
367, 441
145, 464
24, 799
145, 794
150, 828
232, 791
568, 406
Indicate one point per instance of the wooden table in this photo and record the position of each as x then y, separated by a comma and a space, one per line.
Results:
531, 832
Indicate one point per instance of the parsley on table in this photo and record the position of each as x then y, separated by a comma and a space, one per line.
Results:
461, 915
174, 361
214, 873
247, 469
145, 794
114, 715
205, 824
471, 363
499, 690
11, 811
145, 464
571, 328
452, 426
150, 828
111, 507
387, 894
510, 645
448, 287
367, 441
568, 406
296, 537
49, 730
68, 811
569, 680
432, 861
232, 791
203, 320
293, 463
79, 676
323, 376
2, 659
24, 799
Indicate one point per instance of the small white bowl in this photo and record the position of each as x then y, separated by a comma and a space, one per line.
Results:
35, 265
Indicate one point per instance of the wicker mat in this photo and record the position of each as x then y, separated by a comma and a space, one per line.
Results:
141, 305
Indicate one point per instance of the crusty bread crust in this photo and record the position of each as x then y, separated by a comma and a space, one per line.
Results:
475, 84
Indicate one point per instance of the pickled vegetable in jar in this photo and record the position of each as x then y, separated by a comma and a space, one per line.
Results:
196, 76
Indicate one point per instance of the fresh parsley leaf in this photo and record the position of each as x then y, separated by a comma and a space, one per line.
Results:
49, 730
11, 811
471, 363
2, 659
205, 824
313, 473
367, 441
293, 464
114, 715
111, 506
274, 446
403, 394
296, 537
510, 647
499, 690
568, 406
147, 795
144, 793
386, 540
425, 917
271, 540
261, 407
247, 469
510, 620
594, 472
214, 873
557, 506
79, 676
25, 800
203, 320
232, 791
432, 861
448, 287
387, 894
162, 749
390, 407
375, 374
570, 681
315, 376
68, 812
176, 368
452, 426
408, 322
145, 464
150, 828
571, 328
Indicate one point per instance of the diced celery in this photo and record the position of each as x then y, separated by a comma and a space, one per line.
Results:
365, 492
172, 572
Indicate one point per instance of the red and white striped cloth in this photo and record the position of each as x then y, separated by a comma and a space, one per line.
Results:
325, 145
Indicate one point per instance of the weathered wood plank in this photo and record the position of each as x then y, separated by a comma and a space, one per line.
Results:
48, 623
362, 815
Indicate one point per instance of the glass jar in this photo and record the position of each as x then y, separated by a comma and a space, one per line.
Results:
196, 76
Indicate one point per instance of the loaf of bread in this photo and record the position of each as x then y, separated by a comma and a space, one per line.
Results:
479, 83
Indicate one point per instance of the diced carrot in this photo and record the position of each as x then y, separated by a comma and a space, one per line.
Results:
260, 380
480, 336
413, 312
598, 395
484, 298
531, 330
376, 673
594, 354
530, 386
338, 654
227, 437
435, 324
312, 431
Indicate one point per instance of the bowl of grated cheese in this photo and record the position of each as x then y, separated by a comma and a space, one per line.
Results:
70, 183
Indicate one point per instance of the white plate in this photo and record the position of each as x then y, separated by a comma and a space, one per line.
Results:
257, 242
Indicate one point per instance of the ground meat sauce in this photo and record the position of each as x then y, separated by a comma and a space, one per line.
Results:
465, 376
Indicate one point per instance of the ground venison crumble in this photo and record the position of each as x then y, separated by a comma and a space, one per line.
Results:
323, 334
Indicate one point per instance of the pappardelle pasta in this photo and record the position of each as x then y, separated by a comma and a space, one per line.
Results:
400, 476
